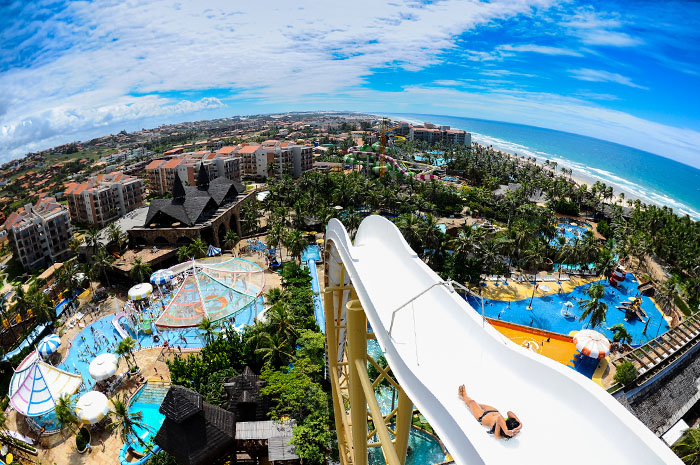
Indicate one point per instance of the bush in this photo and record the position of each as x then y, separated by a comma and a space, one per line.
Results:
604, 229
626, 373
82, 439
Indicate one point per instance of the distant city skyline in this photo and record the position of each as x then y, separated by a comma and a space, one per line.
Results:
619, 71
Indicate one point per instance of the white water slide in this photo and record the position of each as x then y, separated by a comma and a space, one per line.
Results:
439, 342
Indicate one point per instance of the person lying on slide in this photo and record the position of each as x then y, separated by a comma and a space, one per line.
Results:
501, 428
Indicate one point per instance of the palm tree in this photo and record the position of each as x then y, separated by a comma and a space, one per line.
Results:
114, 233
593, 307
688, 447
295, 243
209, 328
126, 349
65, 408
140, 271
126, 423
274, 295
103, 263
281, 320
274, 350
667, 292
92, 239
198, 248
230, 240
22, 300
275, 236
621, 334
183, 253
42, 308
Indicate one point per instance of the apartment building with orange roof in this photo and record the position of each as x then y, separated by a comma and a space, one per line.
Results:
39, 234
160, 174
104, 198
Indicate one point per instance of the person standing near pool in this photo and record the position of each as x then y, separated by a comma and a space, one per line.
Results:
486, 415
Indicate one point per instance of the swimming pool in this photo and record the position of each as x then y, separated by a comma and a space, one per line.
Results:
147, 401
311, 252
547, 311
570, 232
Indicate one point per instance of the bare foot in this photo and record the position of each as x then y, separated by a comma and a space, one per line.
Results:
462, 392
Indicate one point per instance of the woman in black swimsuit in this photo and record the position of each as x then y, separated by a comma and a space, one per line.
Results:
501, 428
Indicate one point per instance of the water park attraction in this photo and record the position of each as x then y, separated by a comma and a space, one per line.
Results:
434, 341
215, 288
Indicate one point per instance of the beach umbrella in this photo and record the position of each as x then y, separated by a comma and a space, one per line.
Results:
505, 283
592, 343
92, 407
544, 288
320, 241
140, 291
568, 304
162, 277
48, 345
213, 251
103, 366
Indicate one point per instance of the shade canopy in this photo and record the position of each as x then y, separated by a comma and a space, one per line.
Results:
36, 386
162, 277
48, 345
140, 291
592, 343
213, 251
544, 288
213, 288
103, 366
92, 407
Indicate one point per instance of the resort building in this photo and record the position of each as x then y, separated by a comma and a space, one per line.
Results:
432, 133
104, 198
160, 174
40, 233
206, 210
276, 158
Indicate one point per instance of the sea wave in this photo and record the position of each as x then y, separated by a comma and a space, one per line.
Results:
620, 184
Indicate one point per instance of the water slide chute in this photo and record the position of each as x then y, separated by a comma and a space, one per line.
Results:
439, 342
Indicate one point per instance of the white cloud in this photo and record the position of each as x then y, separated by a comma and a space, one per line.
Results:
119, 49
542, 49
597, 75
600, 29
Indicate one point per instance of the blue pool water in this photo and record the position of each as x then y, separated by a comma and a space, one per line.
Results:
571, 233
442, 228
311, 252
546, 313
150, 417
436, 161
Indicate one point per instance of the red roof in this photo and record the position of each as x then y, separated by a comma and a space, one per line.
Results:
227, 150
249, 149
155, 164
172, 163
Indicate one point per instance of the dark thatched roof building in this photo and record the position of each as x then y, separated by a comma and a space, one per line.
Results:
206, 211
244, 398
195, 432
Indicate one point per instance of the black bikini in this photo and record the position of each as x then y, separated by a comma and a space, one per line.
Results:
493, 428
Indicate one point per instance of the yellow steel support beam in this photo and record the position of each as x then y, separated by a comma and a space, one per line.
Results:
341, 426
390, 454
404, 415
357, 356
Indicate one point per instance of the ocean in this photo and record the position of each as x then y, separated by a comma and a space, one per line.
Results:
639, 174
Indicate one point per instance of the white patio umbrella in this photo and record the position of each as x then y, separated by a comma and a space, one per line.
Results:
162, 277
140, 291
92, 407
592, 343
544, 288
103, 366
48, 345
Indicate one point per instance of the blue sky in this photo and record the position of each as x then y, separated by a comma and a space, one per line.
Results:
628, 72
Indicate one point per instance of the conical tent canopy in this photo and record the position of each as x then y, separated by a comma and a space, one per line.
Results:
36, 386
215, 288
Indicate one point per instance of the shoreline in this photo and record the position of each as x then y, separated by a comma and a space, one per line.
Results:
632, 192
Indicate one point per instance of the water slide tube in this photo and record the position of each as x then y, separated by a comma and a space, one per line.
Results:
439, 342
357, 153
115, 322
318, 306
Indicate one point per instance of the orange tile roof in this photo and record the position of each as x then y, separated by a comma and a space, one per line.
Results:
227, 150
172, 163
249, 149
70, 186
155, 164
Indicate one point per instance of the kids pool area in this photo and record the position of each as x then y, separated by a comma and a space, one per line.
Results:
550, 312
570, 232
147, 401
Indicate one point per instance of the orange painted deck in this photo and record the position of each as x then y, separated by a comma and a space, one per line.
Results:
551, 345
